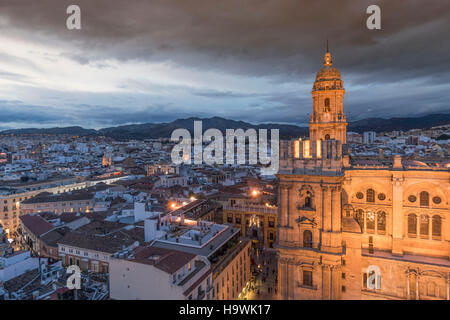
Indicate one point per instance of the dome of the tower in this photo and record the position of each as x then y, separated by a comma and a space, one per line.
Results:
328, 77
328, 73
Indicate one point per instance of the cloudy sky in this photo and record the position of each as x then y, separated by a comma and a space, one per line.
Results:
138, 61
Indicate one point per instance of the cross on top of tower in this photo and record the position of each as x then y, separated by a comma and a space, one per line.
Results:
327, 59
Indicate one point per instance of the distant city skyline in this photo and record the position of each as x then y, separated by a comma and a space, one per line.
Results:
158, 61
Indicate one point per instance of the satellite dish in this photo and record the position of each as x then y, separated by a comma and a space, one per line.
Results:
136, 244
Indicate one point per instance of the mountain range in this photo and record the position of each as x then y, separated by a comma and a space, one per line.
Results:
164, 130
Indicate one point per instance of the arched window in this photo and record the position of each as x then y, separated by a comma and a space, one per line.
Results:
370, 195
412, 224
308, 200
359, 216
327, 105
327, 137
381, 221
436, 226
424, 199
370, 221
307, 239
424, 225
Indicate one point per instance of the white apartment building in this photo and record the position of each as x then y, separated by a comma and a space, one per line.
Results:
151, 273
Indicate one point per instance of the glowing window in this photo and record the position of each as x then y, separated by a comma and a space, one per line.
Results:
306, 149
297, 149
319, 148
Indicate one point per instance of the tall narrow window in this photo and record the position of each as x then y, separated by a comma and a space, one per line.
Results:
412, 224
319, 149
297, 149
436, 226
370, 195
306, 149
308, 201
307, 239
359, 216
370, 221
381, 221
327, 105
424, 225
424, 199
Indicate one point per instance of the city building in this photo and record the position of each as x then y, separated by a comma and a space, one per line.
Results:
358, 229
91, 246
80, 201
152, 273
190, 259
369, 137
11, 197
32, 228
257, 220
15, 263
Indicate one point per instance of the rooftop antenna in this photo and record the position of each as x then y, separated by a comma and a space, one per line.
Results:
327, 46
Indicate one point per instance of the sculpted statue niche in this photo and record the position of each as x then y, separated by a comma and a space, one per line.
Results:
306, 197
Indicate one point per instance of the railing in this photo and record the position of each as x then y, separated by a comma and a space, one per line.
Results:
263, 209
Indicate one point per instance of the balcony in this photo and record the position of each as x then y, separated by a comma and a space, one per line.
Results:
262, 209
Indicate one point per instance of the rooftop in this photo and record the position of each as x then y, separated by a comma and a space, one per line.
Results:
200, 238
36, 224
103, 236
43, 198
166, 260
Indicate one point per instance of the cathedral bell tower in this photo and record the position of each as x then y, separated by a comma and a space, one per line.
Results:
311, 175
328, 119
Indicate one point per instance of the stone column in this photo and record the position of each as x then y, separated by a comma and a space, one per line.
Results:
407, 287
417, 287
288, 206
326, 208
397, 213
283, 208
326, 282
288, 281
448, 286
335, 282
336, 209
430, 223
331, 282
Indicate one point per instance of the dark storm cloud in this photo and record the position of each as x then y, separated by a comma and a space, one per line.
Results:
278, 39
257, 37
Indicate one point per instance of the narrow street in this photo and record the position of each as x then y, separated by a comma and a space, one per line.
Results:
264, 272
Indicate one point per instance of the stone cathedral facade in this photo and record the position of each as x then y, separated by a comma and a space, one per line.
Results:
358, 229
